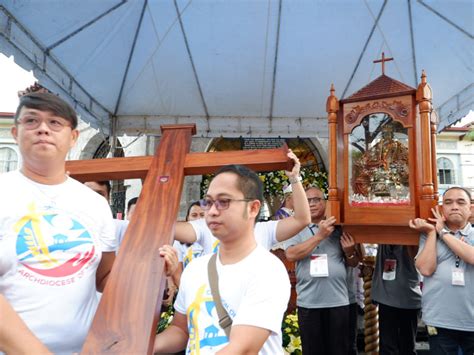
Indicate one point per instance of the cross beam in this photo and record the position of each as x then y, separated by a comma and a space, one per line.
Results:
194, 164
129, 311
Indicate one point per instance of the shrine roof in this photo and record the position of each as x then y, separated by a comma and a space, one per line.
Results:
382, 86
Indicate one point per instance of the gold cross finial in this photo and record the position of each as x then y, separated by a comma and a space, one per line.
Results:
383, 60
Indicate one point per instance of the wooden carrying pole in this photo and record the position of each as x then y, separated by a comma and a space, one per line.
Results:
128, 313
427, 198
333, 204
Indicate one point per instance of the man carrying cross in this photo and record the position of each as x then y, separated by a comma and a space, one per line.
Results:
253, 284
61, 231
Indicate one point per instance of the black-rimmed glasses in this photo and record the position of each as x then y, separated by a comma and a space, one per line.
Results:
220, 203
314, 200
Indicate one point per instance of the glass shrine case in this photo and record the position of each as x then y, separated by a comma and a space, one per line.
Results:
382, 160
378, 162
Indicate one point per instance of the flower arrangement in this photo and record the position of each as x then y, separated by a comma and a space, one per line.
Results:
291, 334
275, 181
165, 319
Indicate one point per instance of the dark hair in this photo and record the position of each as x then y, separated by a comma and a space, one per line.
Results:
468, 193
131, 202
44, 101
105, 183
248, 181
195, 203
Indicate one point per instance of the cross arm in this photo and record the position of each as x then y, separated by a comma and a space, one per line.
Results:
195, 164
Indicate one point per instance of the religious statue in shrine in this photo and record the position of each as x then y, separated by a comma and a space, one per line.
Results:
382, 170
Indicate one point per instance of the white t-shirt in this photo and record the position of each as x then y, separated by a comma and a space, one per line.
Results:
54, 237
265, 235
121, 226
255, 291
187, 253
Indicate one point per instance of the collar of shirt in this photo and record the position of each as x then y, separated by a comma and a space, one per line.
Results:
465, 231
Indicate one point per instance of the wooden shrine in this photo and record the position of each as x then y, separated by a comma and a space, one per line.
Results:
382, 156
129, 311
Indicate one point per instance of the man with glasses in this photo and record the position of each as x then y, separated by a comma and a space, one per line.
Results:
321, 253
446, 260
62, 232
268, 233
253, 283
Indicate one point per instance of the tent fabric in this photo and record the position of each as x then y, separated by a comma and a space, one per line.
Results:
245, 67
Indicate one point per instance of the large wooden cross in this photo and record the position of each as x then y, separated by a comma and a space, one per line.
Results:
129, 310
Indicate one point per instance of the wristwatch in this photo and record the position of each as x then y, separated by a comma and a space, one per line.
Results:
442, 233
352, 256
295, 180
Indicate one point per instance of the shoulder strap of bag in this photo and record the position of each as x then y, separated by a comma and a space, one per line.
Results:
224, 319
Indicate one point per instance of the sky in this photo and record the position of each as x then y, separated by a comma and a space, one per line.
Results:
12, 79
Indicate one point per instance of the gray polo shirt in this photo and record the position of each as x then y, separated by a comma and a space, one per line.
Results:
321, 292
445, 305
404, 291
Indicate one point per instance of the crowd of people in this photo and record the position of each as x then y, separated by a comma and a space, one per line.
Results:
58, 243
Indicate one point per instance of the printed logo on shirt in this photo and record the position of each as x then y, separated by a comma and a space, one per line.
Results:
191, 253
203, 325
215, 246
52, 245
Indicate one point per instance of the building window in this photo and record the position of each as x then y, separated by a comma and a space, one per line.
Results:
8, 159
445, 171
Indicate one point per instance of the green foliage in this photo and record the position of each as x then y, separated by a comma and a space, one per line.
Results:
165, 319
275, 181
291, 334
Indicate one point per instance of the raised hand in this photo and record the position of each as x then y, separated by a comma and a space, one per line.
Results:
171, 259
421, 225
438, 219
347, 243
326, 227
295, 172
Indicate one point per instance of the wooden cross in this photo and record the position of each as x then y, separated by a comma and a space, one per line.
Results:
129, 310
383, 60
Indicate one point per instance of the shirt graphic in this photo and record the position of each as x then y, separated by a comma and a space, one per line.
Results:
192, 252
204, 331
52, 245
215, 246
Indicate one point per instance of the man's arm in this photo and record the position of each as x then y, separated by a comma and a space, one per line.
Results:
426, 261
288, 227
15, 337
174, 338
352, 255
184, 233
460, 248
245, 339
103, 271
302, 250
173, 268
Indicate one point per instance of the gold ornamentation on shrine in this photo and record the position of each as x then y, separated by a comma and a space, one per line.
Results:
379, 162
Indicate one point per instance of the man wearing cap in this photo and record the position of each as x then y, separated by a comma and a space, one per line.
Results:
286, 209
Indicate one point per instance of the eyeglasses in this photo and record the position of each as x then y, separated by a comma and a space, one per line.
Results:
314, 200
54, 124
220, 203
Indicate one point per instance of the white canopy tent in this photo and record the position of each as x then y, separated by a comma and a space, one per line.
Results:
236, 67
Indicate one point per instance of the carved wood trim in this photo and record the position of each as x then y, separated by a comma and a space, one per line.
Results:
397, 109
